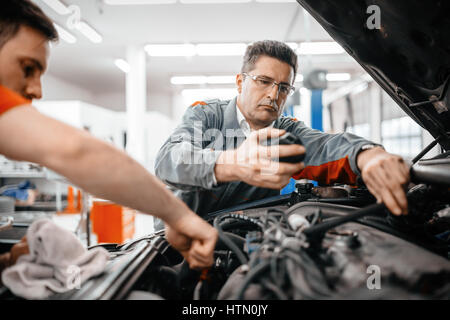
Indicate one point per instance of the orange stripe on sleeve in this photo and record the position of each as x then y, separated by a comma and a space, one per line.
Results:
203, 103
328, 173
9, 99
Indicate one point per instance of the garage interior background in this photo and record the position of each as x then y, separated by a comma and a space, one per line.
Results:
129, 70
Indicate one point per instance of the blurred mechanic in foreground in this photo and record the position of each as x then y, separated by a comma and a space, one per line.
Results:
93, 165
214, 160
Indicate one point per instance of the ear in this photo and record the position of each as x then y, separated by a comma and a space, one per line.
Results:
239, 82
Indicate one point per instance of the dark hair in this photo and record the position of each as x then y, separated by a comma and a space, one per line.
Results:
15, 13
270, 48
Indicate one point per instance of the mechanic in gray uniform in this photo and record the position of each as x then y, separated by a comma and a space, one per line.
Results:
213, 160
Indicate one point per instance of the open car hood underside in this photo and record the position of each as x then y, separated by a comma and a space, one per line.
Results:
408, 56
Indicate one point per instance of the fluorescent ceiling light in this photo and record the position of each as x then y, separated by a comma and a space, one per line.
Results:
138, 2
65, 35
213, 1
122, 65
276, 1
201, 94
330, 77
188, 80
170, 50
221, 79
221, 49
293, 45
320, 48
57, 6
338, 76
203, 80
89, 32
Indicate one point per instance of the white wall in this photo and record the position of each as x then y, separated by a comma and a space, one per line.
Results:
178, 108
110, 125
160, 102
116, 101
158, 127
105, 124
55, 88
111, 100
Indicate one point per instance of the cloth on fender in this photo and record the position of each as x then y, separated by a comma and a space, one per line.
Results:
58, 262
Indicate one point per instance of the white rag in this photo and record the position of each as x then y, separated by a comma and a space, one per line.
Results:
58, 262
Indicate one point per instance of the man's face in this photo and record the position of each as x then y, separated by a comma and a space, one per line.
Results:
23, 60
262, 106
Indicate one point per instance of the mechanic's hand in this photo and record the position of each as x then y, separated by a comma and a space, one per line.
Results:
18, 249
195, 239
386, 176
258, 165
8, 259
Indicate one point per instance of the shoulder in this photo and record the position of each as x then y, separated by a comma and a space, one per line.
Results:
211, 111
213, 107
209, 104
287, 123
10, 99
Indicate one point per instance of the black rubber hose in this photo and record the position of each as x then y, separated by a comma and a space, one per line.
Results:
228, 242
253, 273
274, 288
238, 240
334, 222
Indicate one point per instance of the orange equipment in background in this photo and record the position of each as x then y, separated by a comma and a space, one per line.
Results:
70, 202
111, 222
78, 200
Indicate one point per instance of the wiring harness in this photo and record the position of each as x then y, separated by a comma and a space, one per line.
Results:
279, 259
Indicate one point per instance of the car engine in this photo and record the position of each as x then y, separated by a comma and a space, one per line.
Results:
319, 242
323, 243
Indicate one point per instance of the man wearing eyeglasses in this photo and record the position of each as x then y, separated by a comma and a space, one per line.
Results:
214, 159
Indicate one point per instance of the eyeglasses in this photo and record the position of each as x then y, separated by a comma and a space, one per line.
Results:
265, 83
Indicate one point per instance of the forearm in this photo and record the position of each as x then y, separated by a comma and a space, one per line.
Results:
95, 166
365, 156
109, 173
225, 168
386, 176
186, 166
330, 158
5, 261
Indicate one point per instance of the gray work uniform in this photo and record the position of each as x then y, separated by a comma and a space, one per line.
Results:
186, 160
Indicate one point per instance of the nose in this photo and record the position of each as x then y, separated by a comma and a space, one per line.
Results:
274, 92
33, 89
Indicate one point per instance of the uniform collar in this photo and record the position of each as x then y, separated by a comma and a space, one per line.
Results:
230, 119
243, 124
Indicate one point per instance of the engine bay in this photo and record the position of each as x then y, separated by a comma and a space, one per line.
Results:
331, 242
311, 248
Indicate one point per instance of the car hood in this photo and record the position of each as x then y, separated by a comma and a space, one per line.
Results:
408, 56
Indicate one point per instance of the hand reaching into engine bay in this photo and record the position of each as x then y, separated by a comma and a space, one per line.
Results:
195, 239
386, 176
10, 258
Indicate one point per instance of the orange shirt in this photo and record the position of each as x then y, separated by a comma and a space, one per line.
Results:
9, 99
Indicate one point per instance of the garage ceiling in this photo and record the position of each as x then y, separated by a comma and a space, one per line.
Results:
91, 66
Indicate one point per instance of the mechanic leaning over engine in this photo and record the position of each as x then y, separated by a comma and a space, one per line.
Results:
213, 159
95, 166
